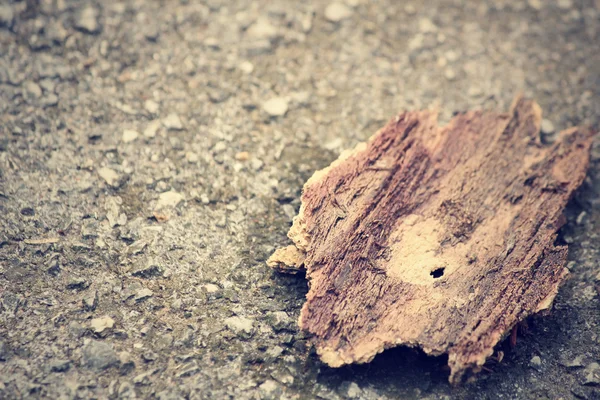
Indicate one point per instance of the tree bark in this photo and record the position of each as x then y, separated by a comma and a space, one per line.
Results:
441, 238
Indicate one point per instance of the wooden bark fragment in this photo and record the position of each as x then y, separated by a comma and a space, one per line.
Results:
441, 238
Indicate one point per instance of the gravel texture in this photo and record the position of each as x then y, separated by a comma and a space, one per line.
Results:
152, 155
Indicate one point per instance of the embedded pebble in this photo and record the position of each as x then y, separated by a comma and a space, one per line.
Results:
535, 362
114, 215
60, 365
172, 122
211, 288
50, 100
350, 390
450, 74
129, 135
241, 326
189, 369
276, 107
192, 157
77, 284
99, 355
536, 4
581, 218
152, 128
242, 156
110, 176
427, 26
99, 325
576, 362
270, 390
565, 4
33, 89
169, 199
279, 320
547, 127
143, 294
151, 106
336, 12
90, 301
592, 374
262, 29
246, 67
7, 15
56, 32
149, 269
87, 20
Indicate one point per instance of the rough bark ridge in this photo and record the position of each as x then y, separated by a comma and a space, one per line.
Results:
441, 238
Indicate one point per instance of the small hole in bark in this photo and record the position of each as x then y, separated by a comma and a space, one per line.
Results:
437, 273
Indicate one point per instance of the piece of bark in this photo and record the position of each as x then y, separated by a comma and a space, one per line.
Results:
441, 238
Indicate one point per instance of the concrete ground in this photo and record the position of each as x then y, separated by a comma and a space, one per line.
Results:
152, 155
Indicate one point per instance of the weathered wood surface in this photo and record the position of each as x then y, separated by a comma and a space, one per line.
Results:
441, 238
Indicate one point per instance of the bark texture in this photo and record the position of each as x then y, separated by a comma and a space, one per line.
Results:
441, 238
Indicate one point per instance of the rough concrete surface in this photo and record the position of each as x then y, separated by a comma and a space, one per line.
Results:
152, 155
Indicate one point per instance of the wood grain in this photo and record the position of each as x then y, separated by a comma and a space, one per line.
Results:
441, 238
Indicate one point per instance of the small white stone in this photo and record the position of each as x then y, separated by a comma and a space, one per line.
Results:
416, 42
211, 288
143, 294
307, 23
589, 292
427, 26
268, 388
176, 304
7, 15
246, 67
334, 144
581, 218
535, 362
276, 107
547, 127
262, 29
114, 216
88, 20
336, 12
535, 4
152, 128
191, 157
301, 98
172, 122
474, 91
129, 135
450, 74
239, 325
353, 391
169, 199
33, 89
452, 55
220, 146
98, 325
151, 106
565, 4
109, 176
212, 42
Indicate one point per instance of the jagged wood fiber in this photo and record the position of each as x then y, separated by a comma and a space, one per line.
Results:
441, 238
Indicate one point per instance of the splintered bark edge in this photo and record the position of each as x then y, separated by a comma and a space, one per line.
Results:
438, 238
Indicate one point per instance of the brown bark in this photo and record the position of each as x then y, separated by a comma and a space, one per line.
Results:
441, 238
